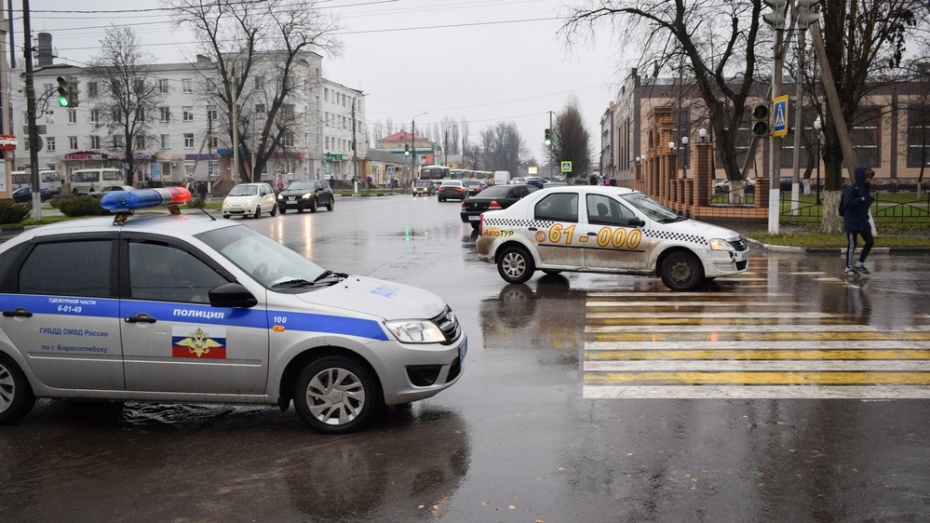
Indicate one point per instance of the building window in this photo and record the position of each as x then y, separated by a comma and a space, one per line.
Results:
259, 83
163, 86
165, 141
211, 112
118, 141
72, 116
164, 114
94, 141
918, 135
287, 110
187, 86
117, 115
138, 86
865, 134
188, 113
288, 139
140, 141
73, 143
188, 140
94, 115
91, 89
49, 143
259, 108
140, 114
326, 94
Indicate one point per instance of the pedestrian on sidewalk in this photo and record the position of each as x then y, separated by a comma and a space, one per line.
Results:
856, 202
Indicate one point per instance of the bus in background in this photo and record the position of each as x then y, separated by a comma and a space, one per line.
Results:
434, 173
86, 181
48, 180
462, 174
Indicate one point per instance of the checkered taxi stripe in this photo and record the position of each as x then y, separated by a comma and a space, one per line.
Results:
545, 224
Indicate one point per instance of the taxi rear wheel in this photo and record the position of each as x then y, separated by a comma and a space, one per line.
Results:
515, 265
682, 271
335, 395
16, 397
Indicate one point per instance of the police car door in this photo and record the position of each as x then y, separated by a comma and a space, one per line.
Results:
173, 339
614, 238
61, 311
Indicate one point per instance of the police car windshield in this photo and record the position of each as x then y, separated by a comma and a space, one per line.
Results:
651, 208
273, 265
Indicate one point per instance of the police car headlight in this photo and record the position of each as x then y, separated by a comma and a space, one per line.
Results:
720, 245
415, 331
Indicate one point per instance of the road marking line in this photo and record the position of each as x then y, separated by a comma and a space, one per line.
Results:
757, 392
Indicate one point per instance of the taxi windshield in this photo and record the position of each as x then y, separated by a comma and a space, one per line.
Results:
651, 208
271, 264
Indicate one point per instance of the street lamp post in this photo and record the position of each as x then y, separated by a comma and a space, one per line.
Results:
684, 156
413, 144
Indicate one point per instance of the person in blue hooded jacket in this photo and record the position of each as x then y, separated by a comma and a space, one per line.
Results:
856, 202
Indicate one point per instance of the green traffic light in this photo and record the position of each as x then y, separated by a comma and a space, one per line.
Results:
63, 101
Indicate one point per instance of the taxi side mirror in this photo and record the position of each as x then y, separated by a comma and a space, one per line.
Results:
635, 222
232, 295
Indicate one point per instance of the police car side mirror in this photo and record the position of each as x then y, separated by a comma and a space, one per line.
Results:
232, 295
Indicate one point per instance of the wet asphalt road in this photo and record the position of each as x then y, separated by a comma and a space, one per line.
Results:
548, 423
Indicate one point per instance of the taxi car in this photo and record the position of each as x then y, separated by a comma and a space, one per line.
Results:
186, 308
589, 228
306, 194
250, 199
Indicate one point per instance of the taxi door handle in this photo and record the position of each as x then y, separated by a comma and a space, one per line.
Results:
140, 318
19, 311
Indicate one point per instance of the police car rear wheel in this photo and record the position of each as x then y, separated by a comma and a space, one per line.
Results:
515, 265
335, 395
682, 271
16, 397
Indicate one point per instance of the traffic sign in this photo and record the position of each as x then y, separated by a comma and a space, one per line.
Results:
566, 167
780, 118
390, 170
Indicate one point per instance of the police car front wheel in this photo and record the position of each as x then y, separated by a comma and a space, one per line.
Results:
335, 395
16, 397
682, 271
515, 265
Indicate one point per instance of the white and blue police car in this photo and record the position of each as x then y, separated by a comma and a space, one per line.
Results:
186, 308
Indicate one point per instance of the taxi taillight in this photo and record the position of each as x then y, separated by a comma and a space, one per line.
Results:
494, 206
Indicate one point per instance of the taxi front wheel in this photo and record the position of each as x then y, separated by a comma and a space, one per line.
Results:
515, 265
682, 271
16, 397
335, 395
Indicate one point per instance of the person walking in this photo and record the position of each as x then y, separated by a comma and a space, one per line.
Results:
856, 202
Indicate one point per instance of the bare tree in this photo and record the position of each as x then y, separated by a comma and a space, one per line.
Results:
715, 40
266, 40
570, 140
128, 94
501, 148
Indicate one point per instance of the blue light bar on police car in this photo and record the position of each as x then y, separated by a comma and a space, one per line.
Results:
144, 198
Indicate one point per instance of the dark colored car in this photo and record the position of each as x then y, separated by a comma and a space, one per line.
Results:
306, 194
451, 190
423, 187
472, 187
535, 181
24, 194
493, 198
111, 188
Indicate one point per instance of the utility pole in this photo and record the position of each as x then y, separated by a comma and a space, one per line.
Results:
235, 128
31, 117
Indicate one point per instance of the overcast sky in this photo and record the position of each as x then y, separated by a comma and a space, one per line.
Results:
485, 61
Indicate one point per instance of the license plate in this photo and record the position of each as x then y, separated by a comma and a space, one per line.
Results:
474, 218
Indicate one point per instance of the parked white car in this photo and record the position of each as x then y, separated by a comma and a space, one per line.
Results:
250, 199
590, 228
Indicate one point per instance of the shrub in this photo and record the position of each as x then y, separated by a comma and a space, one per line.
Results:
81, 206
12, 212
196, 203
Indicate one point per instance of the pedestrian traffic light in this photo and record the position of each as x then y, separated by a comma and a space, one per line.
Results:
548, 139
760, 120
62, 91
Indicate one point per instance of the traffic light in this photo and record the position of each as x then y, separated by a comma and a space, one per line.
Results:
73, 91
776, 18
760, 120
807, 13
406, 150
62, 90
548, 139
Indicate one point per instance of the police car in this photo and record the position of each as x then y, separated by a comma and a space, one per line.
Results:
606, 229
187, 308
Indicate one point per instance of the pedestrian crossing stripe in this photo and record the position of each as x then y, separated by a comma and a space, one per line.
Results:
704, 345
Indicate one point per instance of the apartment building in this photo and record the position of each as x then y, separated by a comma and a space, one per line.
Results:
190, 137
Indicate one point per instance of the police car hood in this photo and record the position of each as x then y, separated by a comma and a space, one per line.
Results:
696, 228
385, 299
